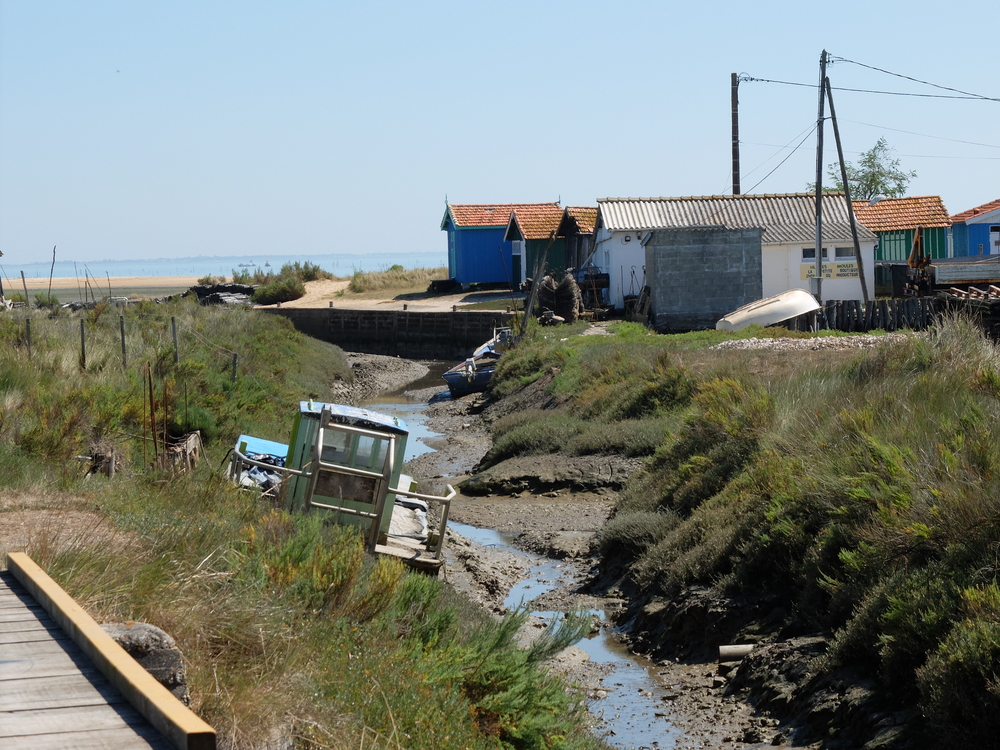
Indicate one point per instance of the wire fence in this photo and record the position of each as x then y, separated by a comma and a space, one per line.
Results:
126, 338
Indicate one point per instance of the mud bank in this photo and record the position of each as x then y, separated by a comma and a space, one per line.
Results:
555, 519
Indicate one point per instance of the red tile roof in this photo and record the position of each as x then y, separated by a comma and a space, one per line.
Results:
536, 221
584, 216
487, 214
974, 212
896, 214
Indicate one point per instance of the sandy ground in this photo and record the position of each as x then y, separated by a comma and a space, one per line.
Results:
333, 293
323, 293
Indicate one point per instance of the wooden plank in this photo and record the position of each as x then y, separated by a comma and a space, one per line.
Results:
29, 632
16, 615
167, 714
27, 726
120, 739
58, 690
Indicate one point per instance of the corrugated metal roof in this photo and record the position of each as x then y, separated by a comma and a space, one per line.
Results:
896, 214
783, 218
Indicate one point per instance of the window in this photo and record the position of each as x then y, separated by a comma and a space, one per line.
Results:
809, 254
843, 252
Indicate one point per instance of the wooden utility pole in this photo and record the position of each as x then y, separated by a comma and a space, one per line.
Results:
51, 269
818, 290
847, 193
735, 85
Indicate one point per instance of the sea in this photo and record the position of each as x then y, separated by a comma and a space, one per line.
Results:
339, 264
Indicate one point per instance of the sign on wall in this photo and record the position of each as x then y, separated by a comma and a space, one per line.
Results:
846, 270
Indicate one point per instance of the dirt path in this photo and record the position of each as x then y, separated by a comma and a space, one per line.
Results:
333, 293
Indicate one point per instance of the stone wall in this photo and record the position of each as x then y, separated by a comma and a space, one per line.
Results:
698, 275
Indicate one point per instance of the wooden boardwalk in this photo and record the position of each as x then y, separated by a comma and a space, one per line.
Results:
51, 694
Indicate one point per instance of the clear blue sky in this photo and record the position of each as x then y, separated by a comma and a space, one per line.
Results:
143, 130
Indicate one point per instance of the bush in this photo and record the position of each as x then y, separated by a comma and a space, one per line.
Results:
629, 535
960, 683
282, 289
43, 300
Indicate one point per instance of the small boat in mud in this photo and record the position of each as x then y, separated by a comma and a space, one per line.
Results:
474, 374
345, 461
769, 310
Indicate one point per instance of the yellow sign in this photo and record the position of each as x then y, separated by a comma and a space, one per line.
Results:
848, 270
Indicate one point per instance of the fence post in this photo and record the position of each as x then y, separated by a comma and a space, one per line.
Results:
27, 334
173, 327
121, 324
83, 347
236, 361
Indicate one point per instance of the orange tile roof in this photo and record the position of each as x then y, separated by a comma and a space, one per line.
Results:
486, 214
977, 211
585, 217
895, 214
536, 221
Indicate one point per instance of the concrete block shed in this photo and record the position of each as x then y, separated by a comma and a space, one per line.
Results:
699, 274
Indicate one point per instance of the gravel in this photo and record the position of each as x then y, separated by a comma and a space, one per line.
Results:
857, 341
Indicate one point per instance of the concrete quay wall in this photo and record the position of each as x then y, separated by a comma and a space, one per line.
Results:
417, 335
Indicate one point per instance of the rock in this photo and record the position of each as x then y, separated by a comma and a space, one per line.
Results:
155, 651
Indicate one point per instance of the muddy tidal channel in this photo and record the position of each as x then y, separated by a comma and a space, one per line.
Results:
629, 705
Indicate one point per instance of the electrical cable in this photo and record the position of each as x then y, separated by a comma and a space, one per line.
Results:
967, 94
923, 135
783, 160
867, 91
811, 128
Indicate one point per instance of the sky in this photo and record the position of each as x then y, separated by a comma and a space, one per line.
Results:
151, 130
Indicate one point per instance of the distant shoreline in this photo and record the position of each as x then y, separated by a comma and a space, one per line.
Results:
69, 289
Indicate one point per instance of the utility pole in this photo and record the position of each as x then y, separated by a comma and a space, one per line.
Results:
847, 193
818, 288
736, 133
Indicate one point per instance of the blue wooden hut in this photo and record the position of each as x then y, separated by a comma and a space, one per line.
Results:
977, 231
477, 251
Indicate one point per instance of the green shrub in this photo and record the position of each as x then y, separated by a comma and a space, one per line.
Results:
282, 289
532, 432
629, 535
959, 684
46, 300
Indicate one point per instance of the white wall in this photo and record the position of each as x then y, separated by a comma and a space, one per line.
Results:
783, 268
618, 257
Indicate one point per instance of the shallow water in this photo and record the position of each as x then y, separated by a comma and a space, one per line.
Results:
412, 409
633, 713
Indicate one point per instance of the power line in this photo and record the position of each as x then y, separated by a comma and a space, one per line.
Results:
867, 91
917, 80
924, 135
811, 130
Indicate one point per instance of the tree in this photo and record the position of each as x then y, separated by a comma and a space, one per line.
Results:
876, 173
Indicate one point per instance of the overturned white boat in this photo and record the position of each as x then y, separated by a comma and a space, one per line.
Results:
769, 310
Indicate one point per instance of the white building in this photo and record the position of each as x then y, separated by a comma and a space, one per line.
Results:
788, 251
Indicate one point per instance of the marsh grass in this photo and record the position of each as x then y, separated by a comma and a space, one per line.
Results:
288, 629
395, 279
861, 488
